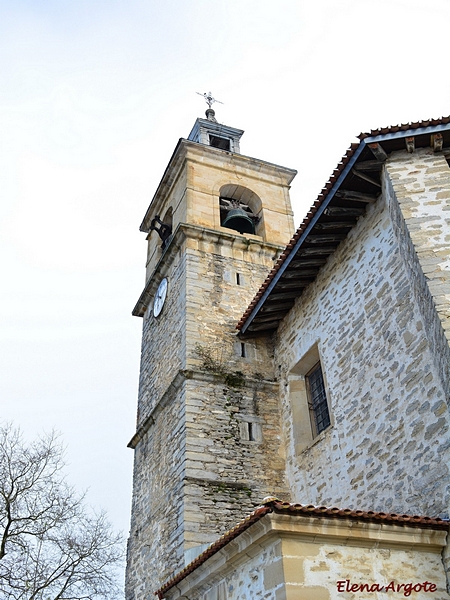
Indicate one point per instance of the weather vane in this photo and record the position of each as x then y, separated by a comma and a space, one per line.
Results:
209, 99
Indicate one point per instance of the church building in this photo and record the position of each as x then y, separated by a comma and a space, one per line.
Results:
292, 438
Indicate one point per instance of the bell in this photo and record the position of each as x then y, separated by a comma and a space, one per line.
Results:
238, 220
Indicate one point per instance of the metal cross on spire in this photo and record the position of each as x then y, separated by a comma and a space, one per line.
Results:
209, 99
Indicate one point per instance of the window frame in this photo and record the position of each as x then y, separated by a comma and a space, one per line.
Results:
304, 429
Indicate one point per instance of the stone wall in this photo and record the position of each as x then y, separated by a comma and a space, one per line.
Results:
228, 471
234, 452
421, 181
289, 558
155, 545
224, 272
388, 446
208, 442
163, 338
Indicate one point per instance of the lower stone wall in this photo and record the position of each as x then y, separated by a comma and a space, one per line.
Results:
291, 558
234, 454
155, 545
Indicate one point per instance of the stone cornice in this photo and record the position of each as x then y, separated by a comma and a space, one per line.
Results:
177, 382
214, 157
261, 528
225, 236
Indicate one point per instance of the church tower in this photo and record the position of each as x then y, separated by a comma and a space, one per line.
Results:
208, 443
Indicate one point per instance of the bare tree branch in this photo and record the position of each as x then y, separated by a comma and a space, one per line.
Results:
51, 547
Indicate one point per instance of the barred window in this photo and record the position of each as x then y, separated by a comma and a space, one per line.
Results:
317, 400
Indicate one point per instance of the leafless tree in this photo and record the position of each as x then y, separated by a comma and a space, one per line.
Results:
51, 546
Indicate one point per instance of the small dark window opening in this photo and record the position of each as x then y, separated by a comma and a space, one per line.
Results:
219, 142
251, 437
238, 279
317, 399
243, 350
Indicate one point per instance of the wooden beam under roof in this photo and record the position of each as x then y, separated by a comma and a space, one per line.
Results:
437, 142
255, 327
293, 284
356, 196
334, 225
327, 238
368, 165
298, 271
272, 316
307, 262
410, 143
344, 211
299, 275
285, 295
313, 251
366, 178
276, 307
378, 152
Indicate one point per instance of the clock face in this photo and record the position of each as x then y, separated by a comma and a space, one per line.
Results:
160, 297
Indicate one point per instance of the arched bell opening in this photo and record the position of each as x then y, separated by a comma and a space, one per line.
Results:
168, 218
240, 209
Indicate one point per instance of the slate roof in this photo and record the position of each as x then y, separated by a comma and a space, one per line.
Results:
355, 183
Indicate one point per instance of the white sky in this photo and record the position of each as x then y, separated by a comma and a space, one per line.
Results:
93, 98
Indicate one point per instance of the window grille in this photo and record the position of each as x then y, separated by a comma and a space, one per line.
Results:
317, 399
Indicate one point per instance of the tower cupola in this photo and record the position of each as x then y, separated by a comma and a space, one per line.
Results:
211, 133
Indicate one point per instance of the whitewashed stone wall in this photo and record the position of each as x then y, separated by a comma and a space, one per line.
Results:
384, 361
421, 181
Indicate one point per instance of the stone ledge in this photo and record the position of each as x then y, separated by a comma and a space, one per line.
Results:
174, 386
184, 231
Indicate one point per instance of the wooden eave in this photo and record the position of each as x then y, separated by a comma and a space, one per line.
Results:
354, 184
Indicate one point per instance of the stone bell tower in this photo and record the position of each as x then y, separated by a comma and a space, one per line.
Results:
207, 442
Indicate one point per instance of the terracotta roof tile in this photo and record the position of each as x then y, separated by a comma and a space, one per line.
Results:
405, 127
301, 510
324, 193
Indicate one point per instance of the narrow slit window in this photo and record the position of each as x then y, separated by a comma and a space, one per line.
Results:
243, 350
238, 279
251, 436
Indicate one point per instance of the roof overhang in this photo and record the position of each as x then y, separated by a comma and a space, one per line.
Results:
354, 184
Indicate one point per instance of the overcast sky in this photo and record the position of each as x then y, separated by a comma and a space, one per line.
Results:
94, 95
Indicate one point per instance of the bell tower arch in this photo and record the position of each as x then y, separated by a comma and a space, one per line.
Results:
207, 440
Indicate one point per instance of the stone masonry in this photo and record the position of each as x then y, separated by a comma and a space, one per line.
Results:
421, 181
289, 558
224, 421
208, 441
385, 362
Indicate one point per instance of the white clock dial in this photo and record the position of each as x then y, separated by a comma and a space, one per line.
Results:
160, 297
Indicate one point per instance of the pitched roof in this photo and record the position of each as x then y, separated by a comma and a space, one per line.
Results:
273, 505
355, 183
